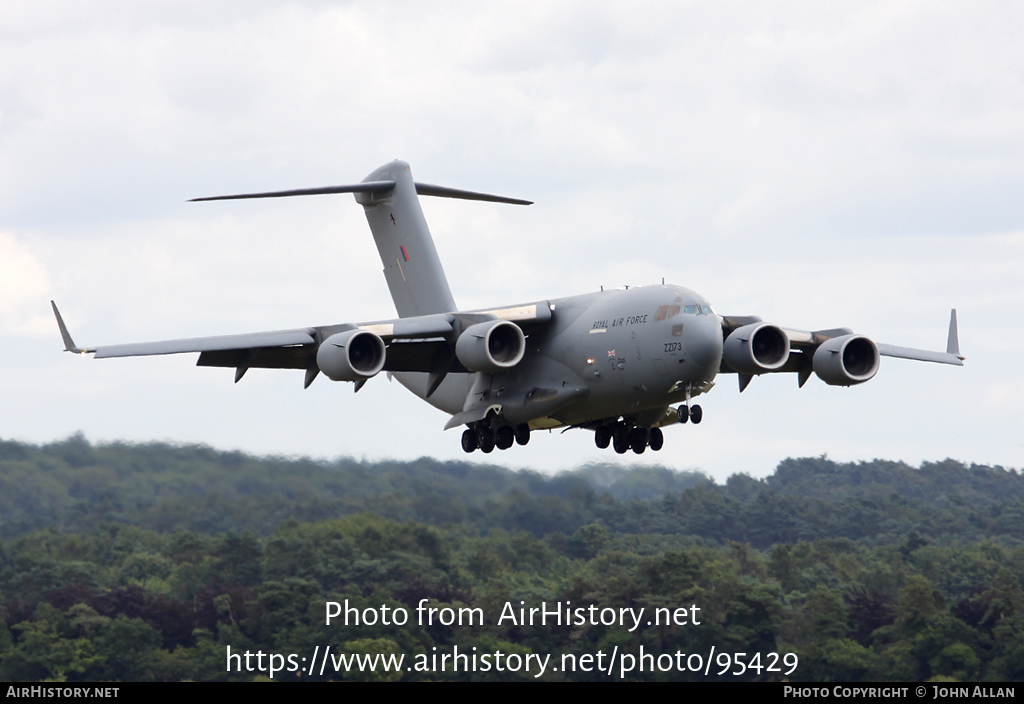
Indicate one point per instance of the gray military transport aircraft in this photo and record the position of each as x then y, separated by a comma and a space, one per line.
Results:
614, 362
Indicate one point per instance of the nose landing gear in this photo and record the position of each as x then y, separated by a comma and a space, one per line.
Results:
693, 413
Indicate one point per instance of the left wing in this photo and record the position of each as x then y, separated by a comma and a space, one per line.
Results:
803, 354
950, 356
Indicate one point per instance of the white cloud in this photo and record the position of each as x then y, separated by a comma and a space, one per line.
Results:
24, 285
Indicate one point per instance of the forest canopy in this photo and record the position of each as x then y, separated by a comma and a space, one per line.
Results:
122, 562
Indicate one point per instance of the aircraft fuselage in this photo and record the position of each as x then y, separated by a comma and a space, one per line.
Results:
627, 352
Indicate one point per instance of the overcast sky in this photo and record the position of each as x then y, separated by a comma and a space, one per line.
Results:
819, 164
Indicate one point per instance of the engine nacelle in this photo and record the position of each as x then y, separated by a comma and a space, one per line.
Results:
492, 346
846, 360
756, 348
353, 355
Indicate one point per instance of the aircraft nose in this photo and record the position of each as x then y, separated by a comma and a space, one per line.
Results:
705, 346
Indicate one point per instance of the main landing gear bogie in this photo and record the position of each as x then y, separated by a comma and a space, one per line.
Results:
624, 435
486, 437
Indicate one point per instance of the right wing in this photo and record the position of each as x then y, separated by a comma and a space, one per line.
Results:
417, 344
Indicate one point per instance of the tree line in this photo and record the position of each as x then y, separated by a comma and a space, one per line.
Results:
122, 562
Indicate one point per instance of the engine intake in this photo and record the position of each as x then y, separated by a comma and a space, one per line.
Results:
756, 348
846, 360
492, 346
353, 355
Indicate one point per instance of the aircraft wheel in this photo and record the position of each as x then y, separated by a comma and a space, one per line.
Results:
505, 437
621, 432
485, 439
696, 414
602, 436
657, 439
638, 440
522, 433
683, 413
469, 441
620, 443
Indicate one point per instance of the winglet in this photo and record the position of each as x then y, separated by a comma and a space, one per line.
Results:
953, 341
69, 344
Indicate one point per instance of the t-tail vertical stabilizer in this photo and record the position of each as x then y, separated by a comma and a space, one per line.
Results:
391, 200
411, 265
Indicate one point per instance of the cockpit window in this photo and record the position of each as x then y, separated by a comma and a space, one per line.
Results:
691, 309
673, 311
660, 315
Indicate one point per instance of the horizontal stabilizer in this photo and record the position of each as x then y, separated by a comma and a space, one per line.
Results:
426, 189
365, 187
423, 189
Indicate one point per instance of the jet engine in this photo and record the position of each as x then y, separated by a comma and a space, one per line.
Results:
353, 355
492, 346
756, 348
846, 360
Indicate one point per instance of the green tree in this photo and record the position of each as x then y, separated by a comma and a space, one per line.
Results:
44, 651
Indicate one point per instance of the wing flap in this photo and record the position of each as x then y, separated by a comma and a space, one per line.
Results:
420, 356
539, 312
421, 326
295, 357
